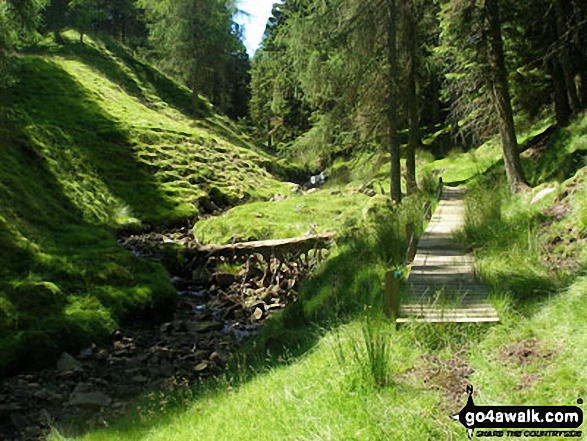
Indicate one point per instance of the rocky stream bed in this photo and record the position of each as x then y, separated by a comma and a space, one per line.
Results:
214, 315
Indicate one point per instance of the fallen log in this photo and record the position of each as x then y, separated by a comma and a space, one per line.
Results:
265, 247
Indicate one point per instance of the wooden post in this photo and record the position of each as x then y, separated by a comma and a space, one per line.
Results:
391, 301
410, 242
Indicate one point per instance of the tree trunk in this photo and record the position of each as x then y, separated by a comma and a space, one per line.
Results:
123, 28
195, 99
501, 98
561, 101
564, 56
393, 144
583, 89
412, 102
59, 38
435, 98
269, 138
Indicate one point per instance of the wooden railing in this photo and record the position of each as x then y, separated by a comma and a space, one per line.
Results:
392, 277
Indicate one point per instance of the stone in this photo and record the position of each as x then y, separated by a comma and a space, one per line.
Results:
90, 400
278, 198
219, 357
224, 280
257, 314
101, 355
139, 379
209, 326
542, 194
67, 363
42, 394
202, 366
86, 354
166, 328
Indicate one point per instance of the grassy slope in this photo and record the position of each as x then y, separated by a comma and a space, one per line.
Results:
92, 140
323, 390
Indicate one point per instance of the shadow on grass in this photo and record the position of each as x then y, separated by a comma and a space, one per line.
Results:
55, 110
118, 65
64, 282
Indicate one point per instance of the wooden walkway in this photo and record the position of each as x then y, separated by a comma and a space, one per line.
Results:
442, 286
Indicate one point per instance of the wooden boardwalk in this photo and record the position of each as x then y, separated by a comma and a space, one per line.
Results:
442, 286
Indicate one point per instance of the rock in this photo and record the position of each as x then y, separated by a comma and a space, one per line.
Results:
85, 354
278, 198
258, 314
193, 326
312, 190
90, 399
224, 280
202, 366
165, 328
42, 394
139, 379
219, 358
67, 363
542, 194
334, 192
101, 355
83, 387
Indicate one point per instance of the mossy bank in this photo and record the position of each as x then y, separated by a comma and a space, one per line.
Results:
93, 141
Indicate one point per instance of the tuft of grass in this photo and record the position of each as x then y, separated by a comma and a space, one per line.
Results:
371, 352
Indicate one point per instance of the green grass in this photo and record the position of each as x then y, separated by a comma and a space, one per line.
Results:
459, 167
93, 141
322, 370
295, 216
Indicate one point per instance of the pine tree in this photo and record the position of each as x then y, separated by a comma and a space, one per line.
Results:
194, 39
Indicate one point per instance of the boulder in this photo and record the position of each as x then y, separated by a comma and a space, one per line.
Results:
90, 400
67, 363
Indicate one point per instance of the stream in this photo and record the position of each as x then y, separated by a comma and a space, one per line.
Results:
215, 314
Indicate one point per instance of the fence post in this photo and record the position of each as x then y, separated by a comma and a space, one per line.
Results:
391, 303
410, 242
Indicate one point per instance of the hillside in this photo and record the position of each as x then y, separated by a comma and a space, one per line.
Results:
93, 141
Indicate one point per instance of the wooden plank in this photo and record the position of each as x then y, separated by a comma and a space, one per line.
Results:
449, 320
442, 287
